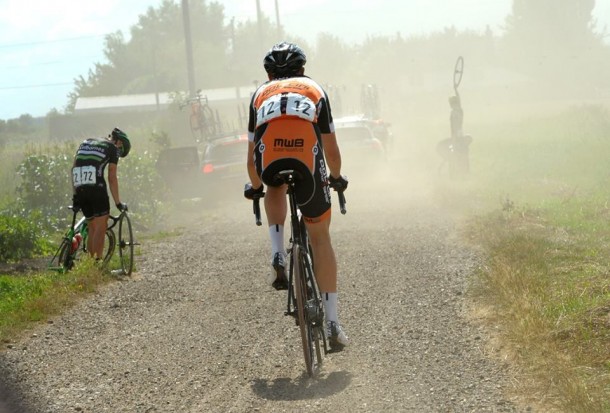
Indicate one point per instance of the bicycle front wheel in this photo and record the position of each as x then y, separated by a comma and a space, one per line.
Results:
109, 246
126, 244
300, 286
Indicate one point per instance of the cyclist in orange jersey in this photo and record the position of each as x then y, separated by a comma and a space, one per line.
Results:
291, 127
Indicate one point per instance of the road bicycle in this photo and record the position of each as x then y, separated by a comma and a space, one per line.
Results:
304, 300
74, 243
454, 150
205, 124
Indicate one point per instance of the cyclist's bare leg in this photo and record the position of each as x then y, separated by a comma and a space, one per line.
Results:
323, 255
276, 206
97, 236
325, 271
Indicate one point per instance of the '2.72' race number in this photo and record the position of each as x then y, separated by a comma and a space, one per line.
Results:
291, 104
83, 175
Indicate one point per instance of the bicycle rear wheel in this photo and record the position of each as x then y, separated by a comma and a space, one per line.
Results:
307, 333
315, 309
63, 259
126, 244
314, 299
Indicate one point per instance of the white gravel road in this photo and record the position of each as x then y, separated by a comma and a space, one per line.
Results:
197, 328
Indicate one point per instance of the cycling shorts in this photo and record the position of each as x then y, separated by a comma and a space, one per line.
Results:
295, 144
93, 200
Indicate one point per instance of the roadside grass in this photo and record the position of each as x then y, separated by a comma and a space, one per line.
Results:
542, 217
35, 297
32, 298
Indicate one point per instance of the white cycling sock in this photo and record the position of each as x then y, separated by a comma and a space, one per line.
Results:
276, 232
330, 306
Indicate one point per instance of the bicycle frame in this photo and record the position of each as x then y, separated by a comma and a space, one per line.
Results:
204, 123
298, 238
66, 254
303, 291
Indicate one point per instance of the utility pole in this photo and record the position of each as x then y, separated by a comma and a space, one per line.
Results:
186, 21
259, 21
277, 21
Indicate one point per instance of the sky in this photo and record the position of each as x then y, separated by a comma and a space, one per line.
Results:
45, 45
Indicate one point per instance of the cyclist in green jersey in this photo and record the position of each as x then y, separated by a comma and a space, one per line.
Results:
90, 193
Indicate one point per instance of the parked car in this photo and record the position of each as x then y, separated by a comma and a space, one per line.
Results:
219, 168
216, 168
223, 165
363, 140
179, 168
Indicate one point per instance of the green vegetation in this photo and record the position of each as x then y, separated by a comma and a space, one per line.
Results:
33, 298
538, 188
544, 286
20, 238
32, 218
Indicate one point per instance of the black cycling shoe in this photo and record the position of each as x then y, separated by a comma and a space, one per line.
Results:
280, 282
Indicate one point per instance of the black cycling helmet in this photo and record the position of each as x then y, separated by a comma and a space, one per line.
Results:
284, 59
119, 135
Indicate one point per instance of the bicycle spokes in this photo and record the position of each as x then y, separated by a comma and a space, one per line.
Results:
126, 244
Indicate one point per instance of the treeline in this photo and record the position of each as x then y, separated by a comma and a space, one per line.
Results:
563, 49
24, 125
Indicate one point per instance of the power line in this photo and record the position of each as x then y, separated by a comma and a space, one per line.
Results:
53, 62
35, 43
35, 86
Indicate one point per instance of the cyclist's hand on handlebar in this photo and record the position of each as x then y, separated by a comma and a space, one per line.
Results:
338, 184
121, 206
251, 193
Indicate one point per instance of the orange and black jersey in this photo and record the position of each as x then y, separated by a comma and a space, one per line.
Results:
287, 120
295, 97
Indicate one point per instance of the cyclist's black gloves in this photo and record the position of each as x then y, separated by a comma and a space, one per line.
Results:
121, 206
251, 193
75, 203
338, 184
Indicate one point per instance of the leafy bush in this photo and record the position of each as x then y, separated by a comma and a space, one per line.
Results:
141, 187
45, 183
19, 238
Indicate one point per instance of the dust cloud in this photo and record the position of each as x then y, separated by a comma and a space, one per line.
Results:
518, 75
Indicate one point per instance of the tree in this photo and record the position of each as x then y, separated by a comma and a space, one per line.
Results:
153, 59
553, 40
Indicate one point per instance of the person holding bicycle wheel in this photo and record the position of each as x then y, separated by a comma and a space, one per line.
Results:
291, 127
90, 192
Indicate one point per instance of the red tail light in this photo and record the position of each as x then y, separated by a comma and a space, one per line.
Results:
208, 168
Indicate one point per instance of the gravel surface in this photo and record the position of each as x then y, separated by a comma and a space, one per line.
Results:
198, 329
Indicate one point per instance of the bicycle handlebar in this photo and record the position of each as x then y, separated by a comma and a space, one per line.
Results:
342, 202
112, 220
257, 208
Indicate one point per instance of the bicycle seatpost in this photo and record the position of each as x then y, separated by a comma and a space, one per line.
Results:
74, 212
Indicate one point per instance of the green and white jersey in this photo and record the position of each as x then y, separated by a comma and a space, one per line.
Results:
91, 159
